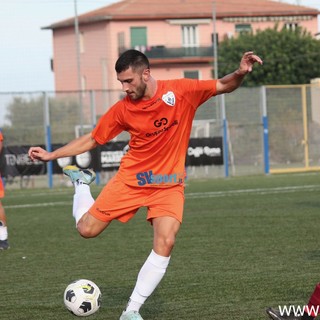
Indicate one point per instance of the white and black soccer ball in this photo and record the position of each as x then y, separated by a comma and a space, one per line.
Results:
82, 297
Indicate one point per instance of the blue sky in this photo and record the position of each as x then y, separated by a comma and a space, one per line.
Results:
26, 49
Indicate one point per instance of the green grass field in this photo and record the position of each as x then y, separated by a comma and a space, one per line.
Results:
246, 243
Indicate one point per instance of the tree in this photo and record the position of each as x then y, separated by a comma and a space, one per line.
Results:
290, 56
25, 120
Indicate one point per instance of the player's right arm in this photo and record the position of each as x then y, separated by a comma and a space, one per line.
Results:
75, 147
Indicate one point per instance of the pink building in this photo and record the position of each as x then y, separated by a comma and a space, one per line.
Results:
176, 35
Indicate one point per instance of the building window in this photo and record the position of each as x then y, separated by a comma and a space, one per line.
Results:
190, 36
291, 26
81, 42
121, 42
216, 35
190, 41
191, 74
243, 28
83, 85
138, 37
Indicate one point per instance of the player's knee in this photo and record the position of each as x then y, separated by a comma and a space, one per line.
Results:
86, 231
165, 244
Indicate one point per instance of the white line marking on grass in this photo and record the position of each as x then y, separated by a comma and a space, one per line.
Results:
195, 195
34, 205
38, 194
261, 191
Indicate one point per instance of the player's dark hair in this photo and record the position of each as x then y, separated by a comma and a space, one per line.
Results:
132, 58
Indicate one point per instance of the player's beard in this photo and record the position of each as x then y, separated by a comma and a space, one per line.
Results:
139, 92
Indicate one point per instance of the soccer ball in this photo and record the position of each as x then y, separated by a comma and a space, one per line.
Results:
82, 297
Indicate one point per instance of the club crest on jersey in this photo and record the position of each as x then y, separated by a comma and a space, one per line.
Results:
169, 98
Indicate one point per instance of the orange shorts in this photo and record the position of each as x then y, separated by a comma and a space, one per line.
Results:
120, 201
1, 189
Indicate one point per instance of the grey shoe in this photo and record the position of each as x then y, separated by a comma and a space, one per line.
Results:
130, 315
4, 245
77, 175
275, 314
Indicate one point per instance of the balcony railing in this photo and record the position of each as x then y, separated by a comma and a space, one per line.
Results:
162, 52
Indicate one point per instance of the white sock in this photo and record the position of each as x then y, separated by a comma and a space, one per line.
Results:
3, 233
149, 277
82, 201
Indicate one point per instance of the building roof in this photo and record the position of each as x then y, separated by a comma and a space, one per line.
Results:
187, 9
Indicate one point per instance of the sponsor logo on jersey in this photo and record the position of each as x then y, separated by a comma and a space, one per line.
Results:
161, 124
148, 177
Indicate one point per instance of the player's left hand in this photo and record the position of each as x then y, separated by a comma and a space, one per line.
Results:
247, 62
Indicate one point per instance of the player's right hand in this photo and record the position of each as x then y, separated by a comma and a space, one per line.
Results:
38, 153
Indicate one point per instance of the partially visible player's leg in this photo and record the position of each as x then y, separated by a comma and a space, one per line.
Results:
148, 279
311, 311
3, 222
165, 230
4, 244
165, 212
82, 200
154, 268
313, 307
87, 225
90, 227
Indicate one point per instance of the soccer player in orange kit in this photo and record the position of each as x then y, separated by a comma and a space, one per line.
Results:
4, 244
158, 115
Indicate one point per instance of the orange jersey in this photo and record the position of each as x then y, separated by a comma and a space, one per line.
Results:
1, 184
159, 129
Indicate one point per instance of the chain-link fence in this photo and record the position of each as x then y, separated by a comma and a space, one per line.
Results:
294, 127
288, 141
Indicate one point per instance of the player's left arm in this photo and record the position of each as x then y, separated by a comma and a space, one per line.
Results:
233, 80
